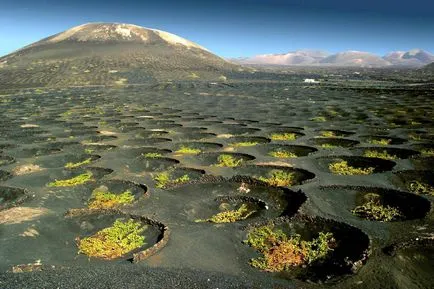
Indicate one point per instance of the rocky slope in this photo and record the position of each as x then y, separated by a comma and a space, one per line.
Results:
109, 54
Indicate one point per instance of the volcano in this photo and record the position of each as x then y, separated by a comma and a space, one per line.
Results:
110, 54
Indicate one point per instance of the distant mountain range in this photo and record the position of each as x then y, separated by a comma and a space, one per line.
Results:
412, 58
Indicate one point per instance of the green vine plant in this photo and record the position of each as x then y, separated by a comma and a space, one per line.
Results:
188, 150
165, 179
283, 136
279, 178
72, 165
228, 161
152, 155
244, 144
280, 252
342, 168
421, 188
382, 141
75, 181
230, 216
101, 198
115, 241
373, 209
282, 154
376, 154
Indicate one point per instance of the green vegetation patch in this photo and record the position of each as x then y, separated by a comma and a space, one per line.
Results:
328, 133
421, 188
228, 161
164, 179
103, 199
188, 150
279, 178
328, 146
282, 154
376, 154
342, 168
113, 242
71, 165
372, 209
319, 119
383, 141
75, 181
244, 144
427, 152
281, 252
283, 136
230, 216
415, 137
152, 155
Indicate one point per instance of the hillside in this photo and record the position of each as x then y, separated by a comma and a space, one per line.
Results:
109, 54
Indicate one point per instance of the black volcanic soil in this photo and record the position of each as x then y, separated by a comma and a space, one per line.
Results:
131, 134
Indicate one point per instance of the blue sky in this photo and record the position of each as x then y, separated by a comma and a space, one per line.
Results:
237, 28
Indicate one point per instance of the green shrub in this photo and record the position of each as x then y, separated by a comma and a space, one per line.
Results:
319, 118
372, 209
328, 146
231, 216
328, 133
427, 152
228, 161
377, 154
279, 178
342, 168
383, 141
283, 136
152, 155
244, 144
113, 242
421, 188
281, 252
163, 179
102, 199
78, 164
187, 150
282, 154
75, 181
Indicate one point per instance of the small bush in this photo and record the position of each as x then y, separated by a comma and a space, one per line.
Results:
102, 199
427, 152
152, 155
415, 137
244, 144
328, 133
281, 252
373, 210
282, 154
187, 150
113, 242
319, 119
342, 168
279, 178
377, 154
327, 146
164, 179
421, 188
383, 141
79, 164
78, 180
283, 136
231, 216
228, 161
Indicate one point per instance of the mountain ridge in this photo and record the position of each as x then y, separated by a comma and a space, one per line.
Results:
411, 58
